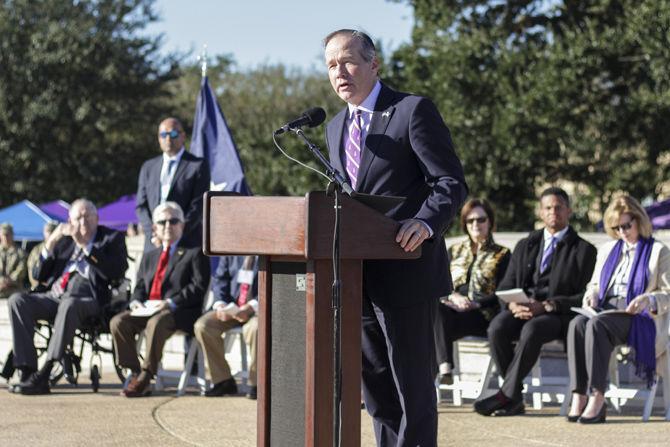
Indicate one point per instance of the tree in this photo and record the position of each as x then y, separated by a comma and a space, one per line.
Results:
547, 92
81, 93
255, 102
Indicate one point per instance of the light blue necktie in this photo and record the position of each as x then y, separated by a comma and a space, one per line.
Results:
547, 255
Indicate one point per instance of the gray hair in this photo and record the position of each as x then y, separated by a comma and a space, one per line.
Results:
172, 206
87, 204
367, 46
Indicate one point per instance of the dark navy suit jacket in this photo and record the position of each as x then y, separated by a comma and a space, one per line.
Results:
107, 262
189, 183
408, 152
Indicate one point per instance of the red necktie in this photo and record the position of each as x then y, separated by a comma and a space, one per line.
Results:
64, 279
157, 283
244, 290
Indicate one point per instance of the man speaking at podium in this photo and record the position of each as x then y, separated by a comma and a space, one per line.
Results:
396, 144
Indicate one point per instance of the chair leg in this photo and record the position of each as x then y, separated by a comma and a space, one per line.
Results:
243, 354
202, 377
649, 403
566, 401
457, 391
536, 382
188, 366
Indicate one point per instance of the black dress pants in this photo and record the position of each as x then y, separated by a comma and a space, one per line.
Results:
451, 325
515, 362
397, 377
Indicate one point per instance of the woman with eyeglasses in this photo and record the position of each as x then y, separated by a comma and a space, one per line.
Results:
630, 291
477, 265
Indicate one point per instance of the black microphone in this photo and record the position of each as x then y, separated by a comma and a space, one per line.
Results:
311, 117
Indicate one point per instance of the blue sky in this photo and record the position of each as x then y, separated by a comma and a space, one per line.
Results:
273, 31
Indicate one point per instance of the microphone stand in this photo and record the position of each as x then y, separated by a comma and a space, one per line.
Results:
338, 184
331, 172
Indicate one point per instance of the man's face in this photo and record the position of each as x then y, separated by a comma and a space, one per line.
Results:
6, 238
350, 75
170, 136
167, 227
83, 221
555, 213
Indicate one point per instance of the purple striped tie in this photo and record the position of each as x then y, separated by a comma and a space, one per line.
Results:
353, 147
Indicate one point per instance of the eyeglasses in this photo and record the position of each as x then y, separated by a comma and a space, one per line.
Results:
623, 227
172, 134
479, 220
172, 221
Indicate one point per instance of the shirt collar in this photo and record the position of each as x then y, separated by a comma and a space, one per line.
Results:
176, 157
368, 105
629, 247
173, 247
558, 236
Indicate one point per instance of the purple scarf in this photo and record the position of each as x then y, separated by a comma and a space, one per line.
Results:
642, 334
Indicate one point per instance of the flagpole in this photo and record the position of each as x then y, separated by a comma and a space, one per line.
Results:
203, 61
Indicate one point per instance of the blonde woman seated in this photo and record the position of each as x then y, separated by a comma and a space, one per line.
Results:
477, 265
633, 275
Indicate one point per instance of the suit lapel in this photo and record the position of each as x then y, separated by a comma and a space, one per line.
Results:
380, 120
335, 142
154, 181
181, 167
174, 259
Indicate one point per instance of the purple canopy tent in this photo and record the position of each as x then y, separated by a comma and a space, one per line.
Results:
659, 213
57, 210
118, 214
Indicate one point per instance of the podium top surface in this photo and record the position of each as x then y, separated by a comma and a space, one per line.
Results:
297, 226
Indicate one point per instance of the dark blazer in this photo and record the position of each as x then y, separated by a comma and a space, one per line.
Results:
189, 183
224, 282
571, 268
408, 152
185, 283
108, 262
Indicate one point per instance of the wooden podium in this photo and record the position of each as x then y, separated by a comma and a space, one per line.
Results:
293, 236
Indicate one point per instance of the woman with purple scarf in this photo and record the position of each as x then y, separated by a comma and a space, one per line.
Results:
632, 276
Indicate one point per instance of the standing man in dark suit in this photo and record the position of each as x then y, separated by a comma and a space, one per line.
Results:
177, 176
553, 266
396, 144
172, 281
79, 261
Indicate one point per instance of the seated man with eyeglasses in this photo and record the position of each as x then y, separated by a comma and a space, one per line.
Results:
177, 176
171, 284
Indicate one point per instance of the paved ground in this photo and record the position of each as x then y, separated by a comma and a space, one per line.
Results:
78, 417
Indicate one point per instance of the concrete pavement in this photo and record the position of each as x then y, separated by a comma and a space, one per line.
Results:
78, 417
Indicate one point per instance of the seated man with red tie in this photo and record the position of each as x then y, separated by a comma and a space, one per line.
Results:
77, 264
171, 284
236, 304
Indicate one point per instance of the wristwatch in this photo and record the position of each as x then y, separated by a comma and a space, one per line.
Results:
653, 305
549, 306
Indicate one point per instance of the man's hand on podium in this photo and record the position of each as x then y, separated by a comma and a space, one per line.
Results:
411, 234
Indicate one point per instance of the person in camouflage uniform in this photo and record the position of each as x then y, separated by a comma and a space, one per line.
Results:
12, 263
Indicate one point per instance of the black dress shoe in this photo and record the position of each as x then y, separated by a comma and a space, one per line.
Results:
597, 419
513, 408
252, 393
37, 384
488, 406
224, 388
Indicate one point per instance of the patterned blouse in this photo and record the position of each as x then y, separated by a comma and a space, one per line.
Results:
477, 275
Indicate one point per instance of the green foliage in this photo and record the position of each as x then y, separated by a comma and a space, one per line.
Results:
255, 103
542, 92
81, 92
